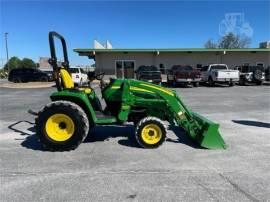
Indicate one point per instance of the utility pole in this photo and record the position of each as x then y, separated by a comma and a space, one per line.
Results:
6, 35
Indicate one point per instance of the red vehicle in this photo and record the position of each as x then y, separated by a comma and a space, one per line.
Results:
183, 74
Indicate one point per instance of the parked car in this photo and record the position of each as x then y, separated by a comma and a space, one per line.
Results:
28, 74
251, 74
219, 73
50, 74
79, 76
183, 74
148, 73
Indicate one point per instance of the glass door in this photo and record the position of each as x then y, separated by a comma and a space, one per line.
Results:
129, 69
119, 69
124, 68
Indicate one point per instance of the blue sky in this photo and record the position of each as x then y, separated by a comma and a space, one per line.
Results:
127, 24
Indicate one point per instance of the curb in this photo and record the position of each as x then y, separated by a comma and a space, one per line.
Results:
28, 85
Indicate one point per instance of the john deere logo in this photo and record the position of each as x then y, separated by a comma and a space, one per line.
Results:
235, 23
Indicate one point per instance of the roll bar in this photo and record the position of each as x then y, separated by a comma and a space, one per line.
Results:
53, 59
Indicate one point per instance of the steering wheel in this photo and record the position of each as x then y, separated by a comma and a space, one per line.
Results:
100, 77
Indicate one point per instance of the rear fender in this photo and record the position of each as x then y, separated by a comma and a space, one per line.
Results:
78, 98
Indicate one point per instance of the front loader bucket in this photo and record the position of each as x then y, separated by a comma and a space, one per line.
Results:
209, 136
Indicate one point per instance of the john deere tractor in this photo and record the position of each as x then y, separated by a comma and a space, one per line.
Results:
66, 121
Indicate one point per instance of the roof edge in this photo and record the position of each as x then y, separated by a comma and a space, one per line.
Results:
89, 50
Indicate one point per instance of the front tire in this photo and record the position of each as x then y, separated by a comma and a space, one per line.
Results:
62, 126
150, 132
231, 83
211, 82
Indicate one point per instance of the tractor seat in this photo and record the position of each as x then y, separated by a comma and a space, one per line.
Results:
69, 84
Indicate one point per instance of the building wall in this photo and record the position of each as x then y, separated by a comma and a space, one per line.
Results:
106, 61
239, 58
43, 63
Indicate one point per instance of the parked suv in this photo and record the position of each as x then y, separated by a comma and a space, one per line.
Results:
148, 73
183, 74
219, 73
78, 75
251, 74
28, 74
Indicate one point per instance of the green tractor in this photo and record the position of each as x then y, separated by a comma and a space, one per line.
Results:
65, 122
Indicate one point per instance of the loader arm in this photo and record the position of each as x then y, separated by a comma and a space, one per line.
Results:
200, 129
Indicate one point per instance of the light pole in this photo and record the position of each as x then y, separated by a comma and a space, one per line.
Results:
6, 35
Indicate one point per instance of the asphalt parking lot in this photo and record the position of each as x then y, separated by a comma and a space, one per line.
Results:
110, 167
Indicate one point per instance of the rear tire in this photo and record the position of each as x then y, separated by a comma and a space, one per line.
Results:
258, 83
150, 132
211, 82
16, 80
174, 83
44, 79
196, 84
62, 126
169, 82
242, 82
257, 74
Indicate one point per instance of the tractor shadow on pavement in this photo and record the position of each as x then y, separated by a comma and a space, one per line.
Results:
97, 134
252, 123
105, 133
14, 128
183, 138
30, 141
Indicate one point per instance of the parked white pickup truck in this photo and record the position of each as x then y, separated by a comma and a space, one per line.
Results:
79, 77
219, 73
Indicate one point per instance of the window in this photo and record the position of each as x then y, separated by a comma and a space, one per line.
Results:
219, 67
147, 68
119, 69
187, 68
245, 69
162, 68
74, 70
205, 68
37, 71
199, 66
82, 71
260, 64
124, 68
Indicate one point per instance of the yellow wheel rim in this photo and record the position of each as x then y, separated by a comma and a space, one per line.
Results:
59, 127
151, 134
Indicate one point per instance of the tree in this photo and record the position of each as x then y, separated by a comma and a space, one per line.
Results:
27, 63
230, 41
234, 41
12, 63
15, 62
210, 44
